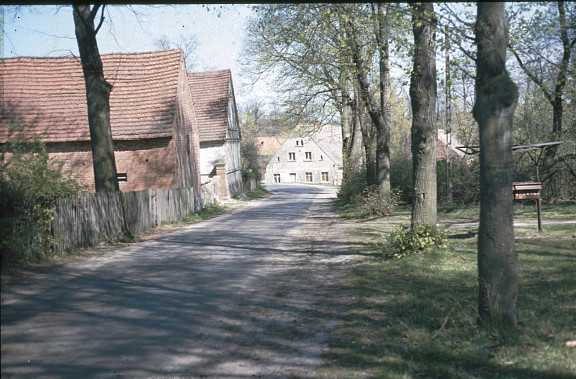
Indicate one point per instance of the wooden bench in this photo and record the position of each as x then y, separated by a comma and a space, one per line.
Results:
527, 190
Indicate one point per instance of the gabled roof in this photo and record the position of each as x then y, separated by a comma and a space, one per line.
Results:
49, 95
328, 137
444, 138
269, 145
211, 91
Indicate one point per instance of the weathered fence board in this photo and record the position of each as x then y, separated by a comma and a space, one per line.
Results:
139, 210
88, 219
174, 204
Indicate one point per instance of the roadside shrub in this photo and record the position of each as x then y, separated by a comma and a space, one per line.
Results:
401, 177
30, 181
352, 184
404, 241
465, 181
372, 203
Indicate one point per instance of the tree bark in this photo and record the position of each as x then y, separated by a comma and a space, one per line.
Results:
383, 135
496, 99
97, 96
423, 99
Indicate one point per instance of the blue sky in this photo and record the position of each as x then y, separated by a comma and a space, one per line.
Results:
49, 31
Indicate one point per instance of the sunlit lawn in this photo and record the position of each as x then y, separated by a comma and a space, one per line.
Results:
416, 317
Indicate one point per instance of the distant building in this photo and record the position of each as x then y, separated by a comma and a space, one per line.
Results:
152, 117
267, 147
446, 143
220, 135
308, 157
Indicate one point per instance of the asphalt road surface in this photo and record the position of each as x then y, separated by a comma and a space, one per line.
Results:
251, 293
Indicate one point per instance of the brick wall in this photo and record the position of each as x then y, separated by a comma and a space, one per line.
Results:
147, 163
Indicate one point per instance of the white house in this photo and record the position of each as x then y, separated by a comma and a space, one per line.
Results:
217, 117
308, 157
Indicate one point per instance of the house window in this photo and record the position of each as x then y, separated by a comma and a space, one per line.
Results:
278, 159
321, 157
293, 177
308, 155
297, 143
308, 177
276, 178
324, 176
291, 156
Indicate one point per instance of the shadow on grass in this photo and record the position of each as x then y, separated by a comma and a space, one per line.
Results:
416, 317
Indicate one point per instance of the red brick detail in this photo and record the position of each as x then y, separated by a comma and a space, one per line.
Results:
153, 121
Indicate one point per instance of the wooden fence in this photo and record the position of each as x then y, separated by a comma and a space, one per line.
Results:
88, 219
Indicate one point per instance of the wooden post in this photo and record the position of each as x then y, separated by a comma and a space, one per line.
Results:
539, 207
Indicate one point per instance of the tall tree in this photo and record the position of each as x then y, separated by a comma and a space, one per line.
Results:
548, 28
97, 95
379, 112
496, 99
325, 54
423, 98
188, 45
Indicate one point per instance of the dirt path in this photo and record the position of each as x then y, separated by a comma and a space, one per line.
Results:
252, 293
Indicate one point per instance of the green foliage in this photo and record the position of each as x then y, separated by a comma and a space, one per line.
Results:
405, 240
30, 181
205, 213
372, 203
401, 177
354, 182
465, 181
256, 193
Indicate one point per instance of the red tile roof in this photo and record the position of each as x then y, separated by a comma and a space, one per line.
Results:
211, 91
49, 95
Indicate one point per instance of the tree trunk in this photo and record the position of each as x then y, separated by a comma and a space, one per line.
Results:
448, 147
382, 135
368, 142
97, 95
423, 100
496, 99
383, 132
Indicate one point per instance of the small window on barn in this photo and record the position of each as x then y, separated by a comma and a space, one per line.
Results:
321, 157
291, 156
309, 177
308, 155
278, 159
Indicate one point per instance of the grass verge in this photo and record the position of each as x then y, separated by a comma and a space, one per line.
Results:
206, 213
416, 316
256, 193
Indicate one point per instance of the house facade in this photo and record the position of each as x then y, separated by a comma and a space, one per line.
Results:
313, 157
220, 136
152, 117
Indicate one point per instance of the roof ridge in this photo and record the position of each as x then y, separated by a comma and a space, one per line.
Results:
107, 55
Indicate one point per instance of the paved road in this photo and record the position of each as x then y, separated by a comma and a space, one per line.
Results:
253, 292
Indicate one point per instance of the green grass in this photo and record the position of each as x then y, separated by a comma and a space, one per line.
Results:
416, 316
256, 193
206, 213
